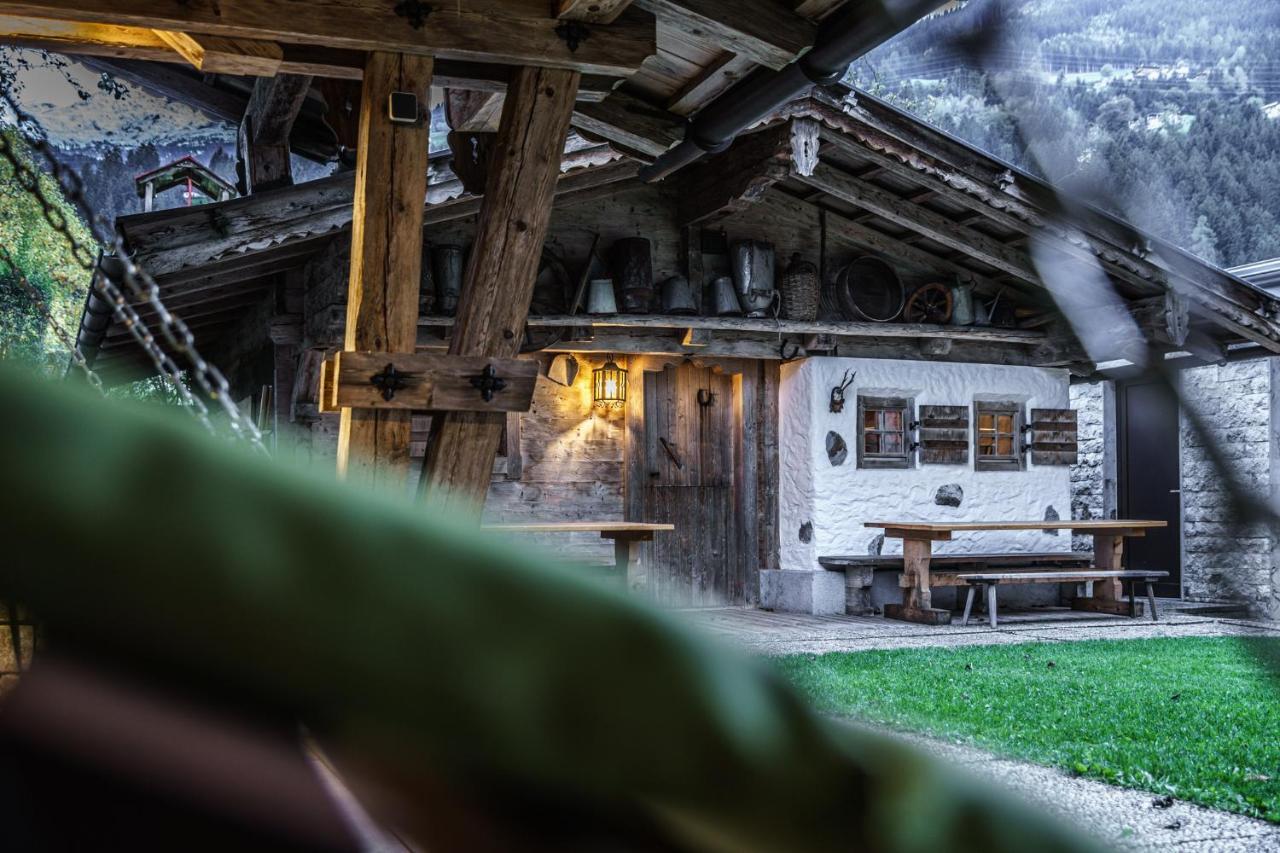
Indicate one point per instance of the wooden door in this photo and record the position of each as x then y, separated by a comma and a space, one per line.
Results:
1149, 473
688, 473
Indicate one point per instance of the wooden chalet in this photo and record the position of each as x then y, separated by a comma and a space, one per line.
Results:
646, 143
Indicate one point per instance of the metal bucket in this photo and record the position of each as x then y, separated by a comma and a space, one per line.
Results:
600, 298
678, 297
725, 298
446, 267
752, 263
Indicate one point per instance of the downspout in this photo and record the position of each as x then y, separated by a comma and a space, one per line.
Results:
848, 34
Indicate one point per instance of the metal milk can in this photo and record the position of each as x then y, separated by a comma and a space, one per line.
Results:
753, 276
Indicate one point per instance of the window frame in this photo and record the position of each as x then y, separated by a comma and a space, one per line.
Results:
907, 405
1015, 462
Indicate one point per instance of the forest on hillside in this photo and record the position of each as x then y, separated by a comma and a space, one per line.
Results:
1165, 111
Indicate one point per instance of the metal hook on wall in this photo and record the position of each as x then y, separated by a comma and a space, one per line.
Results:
706, 397
795, 351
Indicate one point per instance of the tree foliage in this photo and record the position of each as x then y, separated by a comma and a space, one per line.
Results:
1162, 110
44, 258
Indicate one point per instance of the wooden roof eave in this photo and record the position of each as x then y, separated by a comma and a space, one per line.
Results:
1241, 308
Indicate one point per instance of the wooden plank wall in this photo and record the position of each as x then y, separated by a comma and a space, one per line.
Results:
753, 422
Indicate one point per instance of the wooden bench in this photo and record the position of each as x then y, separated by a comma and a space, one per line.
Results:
859, 569
991, 580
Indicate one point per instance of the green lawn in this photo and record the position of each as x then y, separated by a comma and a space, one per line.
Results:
1198, 718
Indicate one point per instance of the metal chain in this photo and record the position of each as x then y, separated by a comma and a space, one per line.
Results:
42, 305
140, 285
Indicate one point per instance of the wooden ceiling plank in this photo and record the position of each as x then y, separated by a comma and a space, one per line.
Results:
221, 55
713, 81
764, 30
517, 32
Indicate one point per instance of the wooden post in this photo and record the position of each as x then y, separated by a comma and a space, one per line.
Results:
917, 596
500, 275
386, 258
264, 131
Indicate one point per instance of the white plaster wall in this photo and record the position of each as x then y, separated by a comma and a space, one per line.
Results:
796, 414
839, 500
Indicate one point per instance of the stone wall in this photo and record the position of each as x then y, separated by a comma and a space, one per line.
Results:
1093, 478
1223, 560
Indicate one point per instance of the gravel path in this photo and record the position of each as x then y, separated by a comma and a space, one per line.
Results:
767, 633
1119, 817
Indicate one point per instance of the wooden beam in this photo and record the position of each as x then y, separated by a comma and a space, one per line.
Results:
500, 273
386, 259
506, 31
591, 11
87, 39
220, 55
265, 130
798, 329
438, 383
631, 124
935, 226
764, 31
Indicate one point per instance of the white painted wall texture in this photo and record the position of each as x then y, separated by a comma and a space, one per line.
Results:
838, 500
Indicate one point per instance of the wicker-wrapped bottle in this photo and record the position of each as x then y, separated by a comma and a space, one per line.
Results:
799, 289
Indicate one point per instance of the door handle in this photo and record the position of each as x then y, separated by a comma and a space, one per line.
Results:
1175, 491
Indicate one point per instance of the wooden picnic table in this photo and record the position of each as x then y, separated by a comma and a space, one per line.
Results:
917, 546
626, 536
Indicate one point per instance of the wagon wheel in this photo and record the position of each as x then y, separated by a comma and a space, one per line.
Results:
929, 304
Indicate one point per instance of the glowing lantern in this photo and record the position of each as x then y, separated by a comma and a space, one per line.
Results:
610, 385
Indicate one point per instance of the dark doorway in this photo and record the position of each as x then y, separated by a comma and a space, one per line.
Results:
1149, 476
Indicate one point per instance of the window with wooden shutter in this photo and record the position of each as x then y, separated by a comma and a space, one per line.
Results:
884, 434
944, 435
997, 436
1054, 437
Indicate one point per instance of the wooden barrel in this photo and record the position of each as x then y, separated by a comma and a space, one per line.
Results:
633, 274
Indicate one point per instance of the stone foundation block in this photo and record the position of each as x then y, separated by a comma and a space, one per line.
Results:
819, 593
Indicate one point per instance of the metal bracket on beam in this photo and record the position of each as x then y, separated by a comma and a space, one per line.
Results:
427, 382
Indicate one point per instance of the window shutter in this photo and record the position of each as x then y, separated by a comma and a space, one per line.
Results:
1053, 437
944, 435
